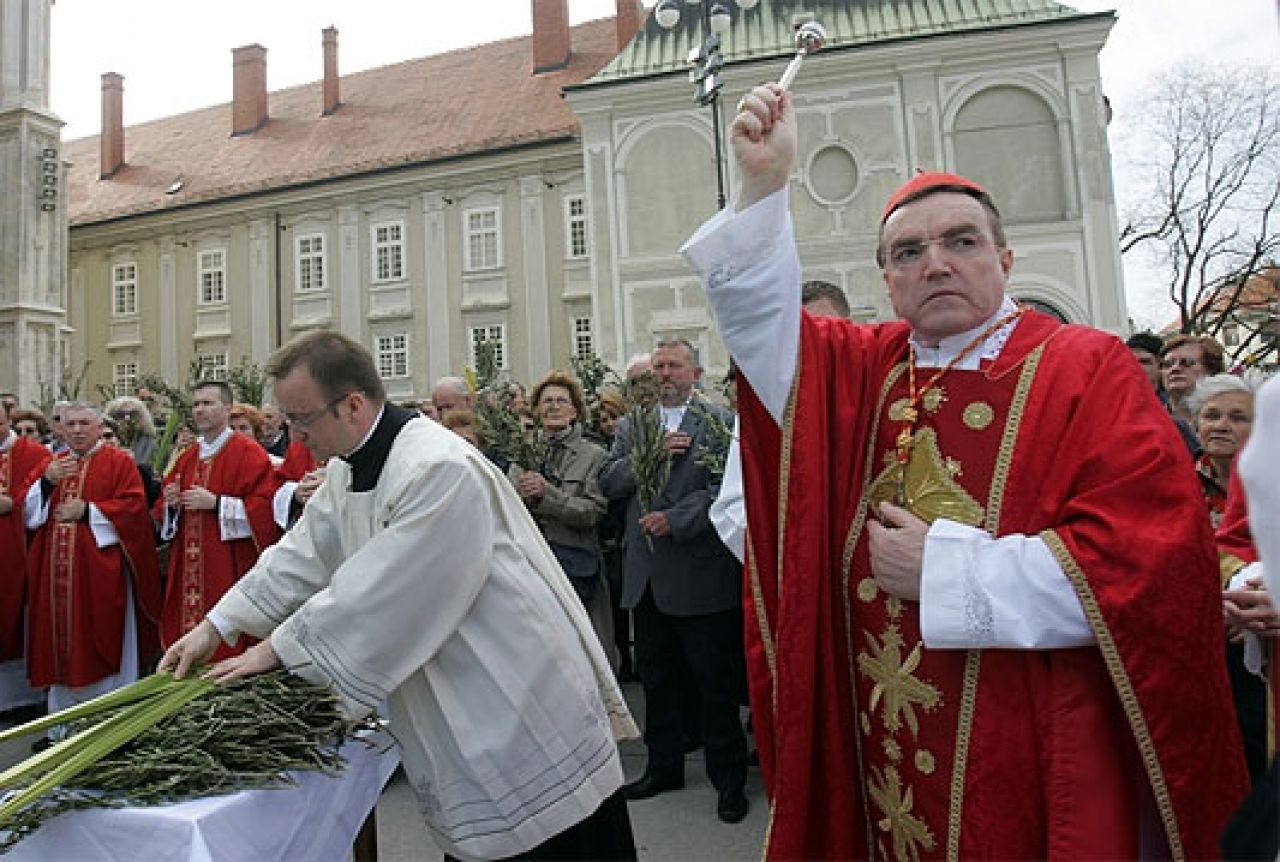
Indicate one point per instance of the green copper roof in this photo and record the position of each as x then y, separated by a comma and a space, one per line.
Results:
768, 29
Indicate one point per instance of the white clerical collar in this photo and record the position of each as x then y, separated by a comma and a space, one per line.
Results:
369, 433
208, 450
9, 441
950, 346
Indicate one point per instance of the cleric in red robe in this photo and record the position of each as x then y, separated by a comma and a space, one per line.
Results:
297, 478
93, 589
21, 460
216, 509
968, 635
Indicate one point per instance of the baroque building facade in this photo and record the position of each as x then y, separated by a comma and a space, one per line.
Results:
1007, 93
426, 206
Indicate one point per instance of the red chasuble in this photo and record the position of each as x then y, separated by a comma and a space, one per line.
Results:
76, 590
873, 745
20, 464
201, 565
298, 462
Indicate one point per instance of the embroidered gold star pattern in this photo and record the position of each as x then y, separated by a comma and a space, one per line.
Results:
925, 762
895, 682
867, 589
910, 834
933, 398
978, 415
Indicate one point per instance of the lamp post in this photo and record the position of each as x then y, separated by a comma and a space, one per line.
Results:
706, 61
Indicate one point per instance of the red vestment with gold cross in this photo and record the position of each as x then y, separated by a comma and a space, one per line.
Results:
76, 591
20, 465
875, 746
202, 565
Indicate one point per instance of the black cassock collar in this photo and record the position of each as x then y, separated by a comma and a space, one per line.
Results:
367, 461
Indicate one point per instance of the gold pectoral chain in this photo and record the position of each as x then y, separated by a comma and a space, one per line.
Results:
911, 412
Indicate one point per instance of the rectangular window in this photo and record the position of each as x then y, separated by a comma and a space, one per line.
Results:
124, 378
584, 343
213, 366
1231, 335
495, 335
388, 251
213, 277
124, 289
483, 239
392, 353
310, 255
575, 226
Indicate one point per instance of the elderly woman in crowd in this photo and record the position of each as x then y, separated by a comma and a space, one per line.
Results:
564, 497
1223, 409
1222, 406
135, 426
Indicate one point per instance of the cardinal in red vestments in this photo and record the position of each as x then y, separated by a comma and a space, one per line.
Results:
21, 461
967, 635
93, 549
216, 509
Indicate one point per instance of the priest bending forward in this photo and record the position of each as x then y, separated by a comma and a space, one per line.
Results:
970, 633
416, 576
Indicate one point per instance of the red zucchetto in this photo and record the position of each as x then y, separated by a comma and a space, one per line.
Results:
922, 182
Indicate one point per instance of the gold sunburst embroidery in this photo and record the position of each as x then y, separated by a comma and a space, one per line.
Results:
932, 398
910, 834
895, 682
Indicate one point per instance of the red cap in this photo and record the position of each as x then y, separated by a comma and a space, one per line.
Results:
923, 182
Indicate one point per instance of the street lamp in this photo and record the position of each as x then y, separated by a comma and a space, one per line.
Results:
706, 61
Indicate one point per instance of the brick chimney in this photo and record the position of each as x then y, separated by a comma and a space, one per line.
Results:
550, 35
249, 89
112, 139
330, 43
628, 21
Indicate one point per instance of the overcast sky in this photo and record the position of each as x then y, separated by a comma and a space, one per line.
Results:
175, 55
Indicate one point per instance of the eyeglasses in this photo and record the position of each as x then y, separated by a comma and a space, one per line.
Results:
302, 420
1179, 362
910, 255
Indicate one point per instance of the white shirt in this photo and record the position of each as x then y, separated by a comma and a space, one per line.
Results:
976, 590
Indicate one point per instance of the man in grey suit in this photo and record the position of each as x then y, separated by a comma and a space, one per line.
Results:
685, 590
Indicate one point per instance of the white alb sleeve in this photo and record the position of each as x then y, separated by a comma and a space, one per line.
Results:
1259, 468
749, 267
282, 504
1008, 593
169, 528
233, 520
104, 532
35, 509
729, 511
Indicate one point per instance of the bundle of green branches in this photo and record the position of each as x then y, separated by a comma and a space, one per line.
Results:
161, 741
503, 430
593, 373
178, 407
650, 464
713, 451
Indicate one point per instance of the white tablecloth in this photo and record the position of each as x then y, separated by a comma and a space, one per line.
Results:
315, 821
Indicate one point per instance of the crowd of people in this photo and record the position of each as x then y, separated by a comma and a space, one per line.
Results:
990, 560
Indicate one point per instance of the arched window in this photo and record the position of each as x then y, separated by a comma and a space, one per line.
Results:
1007, 140
670, 189
1044, 308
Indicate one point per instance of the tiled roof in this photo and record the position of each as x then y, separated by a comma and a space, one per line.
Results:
768, 29
464, 102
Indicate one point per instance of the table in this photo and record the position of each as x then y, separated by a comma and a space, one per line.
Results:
316, 820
